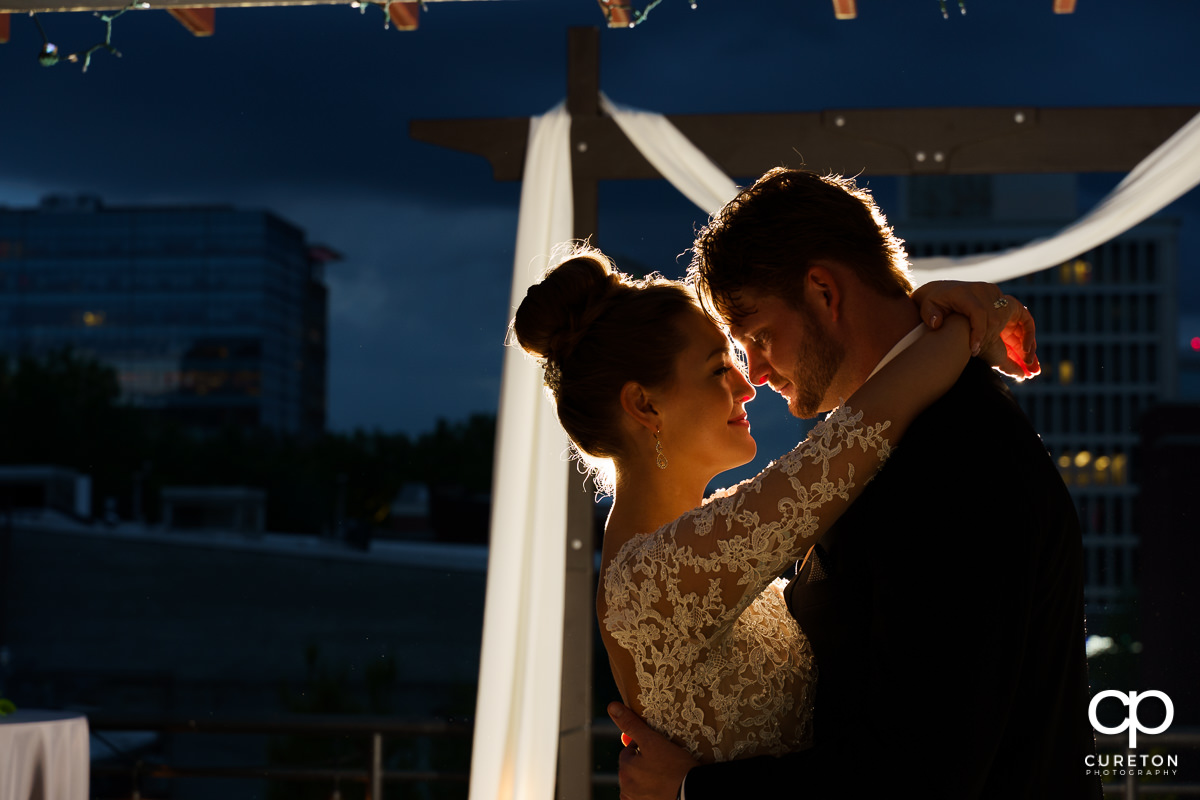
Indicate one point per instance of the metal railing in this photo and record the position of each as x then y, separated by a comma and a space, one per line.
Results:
374, 729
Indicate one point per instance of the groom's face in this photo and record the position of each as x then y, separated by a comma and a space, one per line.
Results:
788, 349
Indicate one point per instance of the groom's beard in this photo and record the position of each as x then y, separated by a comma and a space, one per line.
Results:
815, 369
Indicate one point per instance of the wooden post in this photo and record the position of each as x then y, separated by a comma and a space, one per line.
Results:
583, 103
575, 765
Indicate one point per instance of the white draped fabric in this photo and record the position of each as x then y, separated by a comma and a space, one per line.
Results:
516, 725
516, 714
679, 161
44, 756
1162, 177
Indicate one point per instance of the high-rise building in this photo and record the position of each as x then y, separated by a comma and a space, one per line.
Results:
1106, 328
210, 314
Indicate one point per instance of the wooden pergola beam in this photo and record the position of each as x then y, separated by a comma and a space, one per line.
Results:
845, 9
25, 6
874, 141
198, 21
615, 13
405, 16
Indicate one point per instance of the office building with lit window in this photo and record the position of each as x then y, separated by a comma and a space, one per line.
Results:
1106, 328
211, 314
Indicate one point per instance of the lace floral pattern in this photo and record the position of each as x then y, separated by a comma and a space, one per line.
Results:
722, 667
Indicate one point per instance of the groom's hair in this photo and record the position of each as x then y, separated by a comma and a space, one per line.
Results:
768, 237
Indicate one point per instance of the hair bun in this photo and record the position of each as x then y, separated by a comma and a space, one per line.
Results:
557, 312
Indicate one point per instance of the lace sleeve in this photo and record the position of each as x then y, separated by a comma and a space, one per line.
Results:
694, 576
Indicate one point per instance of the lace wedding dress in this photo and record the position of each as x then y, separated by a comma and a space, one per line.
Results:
722, 667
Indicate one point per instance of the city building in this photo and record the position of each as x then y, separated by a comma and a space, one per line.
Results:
209, 314
1106, 329
1167, 519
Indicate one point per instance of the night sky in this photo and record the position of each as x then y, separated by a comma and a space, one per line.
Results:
305, 111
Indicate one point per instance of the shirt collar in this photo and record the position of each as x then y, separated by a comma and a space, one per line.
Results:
899, 348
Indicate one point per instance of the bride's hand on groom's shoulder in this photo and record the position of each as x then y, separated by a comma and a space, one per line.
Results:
651, 766
1003, 332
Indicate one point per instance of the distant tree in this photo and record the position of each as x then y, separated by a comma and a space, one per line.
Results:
64, 409
459, 453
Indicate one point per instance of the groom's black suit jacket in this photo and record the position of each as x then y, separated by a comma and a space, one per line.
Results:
945, 611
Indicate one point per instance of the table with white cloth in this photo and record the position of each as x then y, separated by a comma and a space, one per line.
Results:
44, 756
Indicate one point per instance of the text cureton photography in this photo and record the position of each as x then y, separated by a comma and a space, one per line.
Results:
1137, 764
1122, 764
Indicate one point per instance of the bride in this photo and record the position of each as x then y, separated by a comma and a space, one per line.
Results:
698, 635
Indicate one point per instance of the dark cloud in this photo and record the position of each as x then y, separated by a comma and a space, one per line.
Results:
305, 110
418, 308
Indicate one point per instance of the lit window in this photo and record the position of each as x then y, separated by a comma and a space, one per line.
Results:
1119, 465
1080, 476
1066, 371
1064, 468
93, 318
1077, 271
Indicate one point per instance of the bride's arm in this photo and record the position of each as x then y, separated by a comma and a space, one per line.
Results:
714, 560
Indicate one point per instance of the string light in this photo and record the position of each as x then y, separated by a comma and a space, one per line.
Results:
616, 12
635, 16
962, 7
49, 56
386, 5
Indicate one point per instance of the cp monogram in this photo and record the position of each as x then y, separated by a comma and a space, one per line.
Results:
1131, 722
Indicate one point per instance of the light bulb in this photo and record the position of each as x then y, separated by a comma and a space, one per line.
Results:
49, 55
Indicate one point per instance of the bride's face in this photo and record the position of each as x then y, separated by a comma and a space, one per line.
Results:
705, 427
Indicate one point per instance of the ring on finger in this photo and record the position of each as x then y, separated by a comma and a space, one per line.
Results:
1001, 303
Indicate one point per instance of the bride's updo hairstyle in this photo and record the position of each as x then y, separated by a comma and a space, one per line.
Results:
596, 329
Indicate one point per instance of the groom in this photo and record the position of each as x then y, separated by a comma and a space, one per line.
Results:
956, 665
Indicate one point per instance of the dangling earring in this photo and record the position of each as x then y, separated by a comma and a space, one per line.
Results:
660, 458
